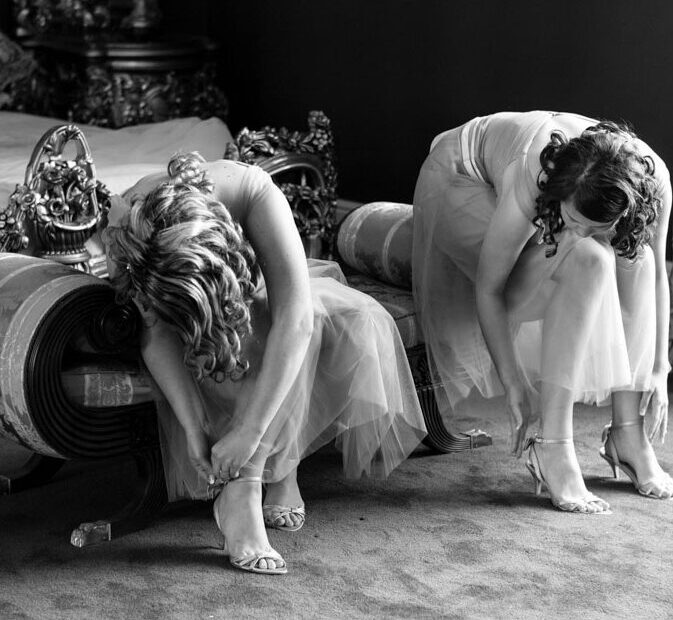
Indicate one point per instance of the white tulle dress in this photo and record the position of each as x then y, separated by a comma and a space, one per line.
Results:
456, 196
354, 387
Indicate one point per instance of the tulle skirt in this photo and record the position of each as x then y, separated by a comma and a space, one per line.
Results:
354, 387
452, 211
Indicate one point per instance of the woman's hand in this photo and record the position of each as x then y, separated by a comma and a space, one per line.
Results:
198, 450
520, 416
232, 452
656, 401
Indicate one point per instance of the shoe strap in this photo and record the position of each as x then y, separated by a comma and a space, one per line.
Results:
246, 479
213, 489
609, 446
638, 422
537, 439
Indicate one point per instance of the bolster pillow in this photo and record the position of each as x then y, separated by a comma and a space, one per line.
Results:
375, 239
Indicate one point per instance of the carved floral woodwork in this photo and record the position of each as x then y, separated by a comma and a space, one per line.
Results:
59, 204
16, 69
115, 82
114, 99
40, 16
302, 165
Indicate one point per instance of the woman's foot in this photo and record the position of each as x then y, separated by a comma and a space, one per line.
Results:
283, 505
627, 444
554, 462
239, 517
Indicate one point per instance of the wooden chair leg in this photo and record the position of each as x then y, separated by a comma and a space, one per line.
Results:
149, 499
439, 438
37, 470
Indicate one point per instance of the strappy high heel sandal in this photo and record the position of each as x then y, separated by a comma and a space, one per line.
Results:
250, 562
609, 453
533, 465
274, 516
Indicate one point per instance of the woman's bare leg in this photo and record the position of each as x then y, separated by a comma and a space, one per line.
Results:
569, 316
635, 283
239, 508
632, 444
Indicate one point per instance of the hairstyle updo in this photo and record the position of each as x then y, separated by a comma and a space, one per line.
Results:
182, 256
608, 180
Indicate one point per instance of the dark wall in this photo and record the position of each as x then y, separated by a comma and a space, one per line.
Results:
393, 73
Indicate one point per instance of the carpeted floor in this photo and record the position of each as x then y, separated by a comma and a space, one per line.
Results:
450, 536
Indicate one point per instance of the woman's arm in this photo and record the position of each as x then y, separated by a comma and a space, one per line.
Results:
507, 234
661, 362
657, 398
162, 352
268, 223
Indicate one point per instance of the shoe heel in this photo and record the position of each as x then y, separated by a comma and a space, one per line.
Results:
536, 480
538, 487
615, 470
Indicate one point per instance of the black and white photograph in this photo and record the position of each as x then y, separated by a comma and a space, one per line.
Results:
335, 309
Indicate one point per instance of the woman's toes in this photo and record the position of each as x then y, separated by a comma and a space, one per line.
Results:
598, 505
666, 492
265, 564
601, 504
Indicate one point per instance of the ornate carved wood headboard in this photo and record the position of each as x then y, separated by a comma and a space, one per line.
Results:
302, 165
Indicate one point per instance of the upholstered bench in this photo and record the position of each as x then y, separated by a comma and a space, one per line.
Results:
374, 244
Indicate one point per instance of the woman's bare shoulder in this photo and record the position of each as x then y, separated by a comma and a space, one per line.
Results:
237, 184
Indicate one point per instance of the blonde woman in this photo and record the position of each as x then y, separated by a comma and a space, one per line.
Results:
259, 360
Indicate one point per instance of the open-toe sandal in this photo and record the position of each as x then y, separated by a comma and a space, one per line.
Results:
275, 514
649, 488
251, 562
581, 505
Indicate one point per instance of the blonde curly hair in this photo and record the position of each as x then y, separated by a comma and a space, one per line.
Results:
181, 255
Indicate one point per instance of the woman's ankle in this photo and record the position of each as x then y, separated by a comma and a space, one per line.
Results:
284, 492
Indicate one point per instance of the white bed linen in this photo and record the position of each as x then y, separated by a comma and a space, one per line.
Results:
121, 156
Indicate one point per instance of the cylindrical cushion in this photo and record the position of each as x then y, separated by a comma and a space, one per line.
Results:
375, 239
43, 307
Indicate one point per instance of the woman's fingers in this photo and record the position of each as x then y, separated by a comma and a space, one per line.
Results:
663, 429
658, 404
225, 469
521, 439
645, 402
660, 422
519, 423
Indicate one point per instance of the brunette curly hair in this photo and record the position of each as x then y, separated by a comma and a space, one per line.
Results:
609, 181
181, 255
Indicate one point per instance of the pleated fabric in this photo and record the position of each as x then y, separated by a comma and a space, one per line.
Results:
354, 387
